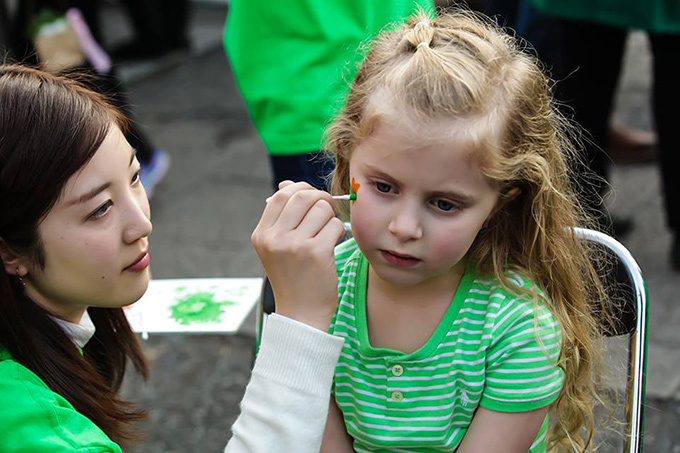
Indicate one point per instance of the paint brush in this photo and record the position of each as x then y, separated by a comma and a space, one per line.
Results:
350, 196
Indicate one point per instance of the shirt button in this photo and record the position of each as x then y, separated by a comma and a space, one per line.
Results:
397, 370
397, 397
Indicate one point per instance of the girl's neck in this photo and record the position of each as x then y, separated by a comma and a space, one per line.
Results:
432, 289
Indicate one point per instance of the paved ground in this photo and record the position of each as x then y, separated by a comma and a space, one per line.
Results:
206, 208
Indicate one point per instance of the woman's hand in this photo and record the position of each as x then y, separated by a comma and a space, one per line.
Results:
294, 240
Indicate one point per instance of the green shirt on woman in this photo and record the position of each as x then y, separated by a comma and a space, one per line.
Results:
33, 418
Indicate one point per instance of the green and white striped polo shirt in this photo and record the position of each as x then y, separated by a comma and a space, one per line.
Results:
485, 352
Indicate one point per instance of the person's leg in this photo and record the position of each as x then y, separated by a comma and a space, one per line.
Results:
591, 64
147, 40
110, 86
666, 99
175, 23
312, 167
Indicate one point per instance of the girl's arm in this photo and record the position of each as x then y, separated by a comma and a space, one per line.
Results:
335, 437
509, 432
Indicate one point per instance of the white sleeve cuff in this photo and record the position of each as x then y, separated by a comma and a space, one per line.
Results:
298, 355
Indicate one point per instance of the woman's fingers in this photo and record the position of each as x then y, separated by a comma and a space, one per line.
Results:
331, 232
298, 207
318, 215
278, 202
288, 207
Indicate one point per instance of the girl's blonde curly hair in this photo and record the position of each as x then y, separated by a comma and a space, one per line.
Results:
463, 67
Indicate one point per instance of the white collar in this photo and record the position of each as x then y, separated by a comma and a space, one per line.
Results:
80, 333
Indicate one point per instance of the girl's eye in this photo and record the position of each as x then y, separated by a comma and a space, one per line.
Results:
101, 211
383, 187
444, 205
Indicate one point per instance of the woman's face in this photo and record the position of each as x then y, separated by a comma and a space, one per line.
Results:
95, 238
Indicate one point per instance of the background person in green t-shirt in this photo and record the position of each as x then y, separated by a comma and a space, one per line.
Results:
293, 61
464, 298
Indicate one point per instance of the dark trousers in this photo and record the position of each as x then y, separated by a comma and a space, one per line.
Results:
592, 56
110, 86
107, 84
313, 168
159, 23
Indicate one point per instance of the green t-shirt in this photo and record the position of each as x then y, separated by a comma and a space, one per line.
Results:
35, 419
485, 352
294, 60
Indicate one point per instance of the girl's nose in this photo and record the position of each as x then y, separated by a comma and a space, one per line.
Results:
405, 224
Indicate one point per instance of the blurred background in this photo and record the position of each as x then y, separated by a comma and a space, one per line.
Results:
211, 172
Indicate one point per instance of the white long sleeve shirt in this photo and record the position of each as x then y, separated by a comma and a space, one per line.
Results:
285, 405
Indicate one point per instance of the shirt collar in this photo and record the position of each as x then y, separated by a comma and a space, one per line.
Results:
80, 333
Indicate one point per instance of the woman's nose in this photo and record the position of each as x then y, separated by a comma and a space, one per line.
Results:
138, 221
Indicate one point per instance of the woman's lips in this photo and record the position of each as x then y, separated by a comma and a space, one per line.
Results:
141, 263
399, 260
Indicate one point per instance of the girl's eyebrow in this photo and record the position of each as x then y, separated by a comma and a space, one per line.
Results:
462, 197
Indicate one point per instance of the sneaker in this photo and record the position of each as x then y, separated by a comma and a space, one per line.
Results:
154, 171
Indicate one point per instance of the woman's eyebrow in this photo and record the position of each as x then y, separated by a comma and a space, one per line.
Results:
89, 195
97, 190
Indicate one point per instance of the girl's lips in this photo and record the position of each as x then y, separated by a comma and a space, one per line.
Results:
141, 263
399, 260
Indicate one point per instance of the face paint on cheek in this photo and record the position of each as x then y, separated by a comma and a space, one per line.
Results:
354, 189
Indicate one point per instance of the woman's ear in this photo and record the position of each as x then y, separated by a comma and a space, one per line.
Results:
11, 261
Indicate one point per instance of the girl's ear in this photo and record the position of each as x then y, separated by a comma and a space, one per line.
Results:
11, 261
505, 199
510, 195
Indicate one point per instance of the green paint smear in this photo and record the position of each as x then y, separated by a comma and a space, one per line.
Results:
198, 307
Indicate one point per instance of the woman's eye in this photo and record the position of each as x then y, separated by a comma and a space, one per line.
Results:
383, 187
101, 211
136, 177
444, 205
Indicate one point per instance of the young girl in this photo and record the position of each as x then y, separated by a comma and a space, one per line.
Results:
74, 227
463, 297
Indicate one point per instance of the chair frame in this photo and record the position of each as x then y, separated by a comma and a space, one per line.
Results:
637, 339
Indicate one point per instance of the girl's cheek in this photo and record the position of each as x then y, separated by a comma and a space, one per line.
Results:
449, 246
362, 216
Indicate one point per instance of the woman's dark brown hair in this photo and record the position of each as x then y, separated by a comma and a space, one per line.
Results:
50, 127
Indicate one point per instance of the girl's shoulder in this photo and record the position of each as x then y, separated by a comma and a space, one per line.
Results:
518, 298
34, 418
346, 252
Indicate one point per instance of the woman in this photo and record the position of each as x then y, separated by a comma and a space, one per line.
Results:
74, 227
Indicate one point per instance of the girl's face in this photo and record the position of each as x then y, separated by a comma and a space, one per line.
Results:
95, 238
421, 202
